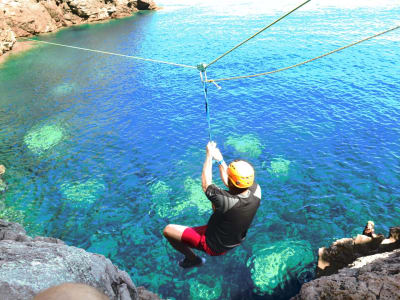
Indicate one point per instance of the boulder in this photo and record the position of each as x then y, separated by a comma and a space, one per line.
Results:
29, 265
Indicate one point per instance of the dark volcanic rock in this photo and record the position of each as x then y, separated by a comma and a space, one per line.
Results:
371, 277
29, 265
358, 268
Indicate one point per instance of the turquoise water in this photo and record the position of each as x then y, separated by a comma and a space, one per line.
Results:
104, 151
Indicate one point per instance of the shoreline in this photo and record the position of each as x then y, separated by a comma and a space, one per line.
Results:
62, 17
18, 48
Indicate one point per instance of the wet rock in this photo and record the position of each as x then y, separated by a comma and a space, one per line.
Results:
29, 265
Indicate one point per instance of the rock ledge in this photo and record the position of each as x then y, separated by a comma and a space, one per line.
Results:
29, 265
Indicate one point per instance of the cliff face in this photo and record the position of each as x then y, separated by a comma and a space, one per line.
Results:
21, 18
29, 265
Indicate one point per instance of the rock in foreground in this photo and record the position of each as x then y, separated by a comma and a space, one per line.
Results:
29, 265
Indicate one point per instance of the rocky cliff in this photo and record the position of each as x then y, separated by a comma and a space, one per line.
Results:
22, 18
29, 265
357, 268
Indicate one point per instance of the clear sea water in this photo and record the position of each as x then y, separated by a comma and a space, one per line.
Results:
104, 151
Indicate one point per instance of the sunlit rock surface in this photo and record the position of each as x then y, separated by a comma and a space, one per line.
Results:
275, 265
7, 36
29, 265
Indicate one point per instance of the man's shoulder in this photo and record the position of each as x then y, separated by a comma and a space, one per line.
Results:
256, 190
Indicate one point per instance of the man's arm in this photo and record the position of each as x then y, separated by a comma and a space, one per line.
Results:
223, 168
206, 175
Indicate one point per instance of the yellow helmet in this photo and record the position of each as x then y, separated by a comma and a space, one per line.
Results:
241, 174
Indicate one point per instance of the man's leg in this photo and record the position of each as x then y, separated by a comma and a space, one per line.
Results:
173, 234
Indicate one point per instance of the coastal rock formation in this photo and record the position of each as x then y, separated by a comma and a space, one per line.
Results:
371, 277
363, 267
29, 265
7, 36
22, 18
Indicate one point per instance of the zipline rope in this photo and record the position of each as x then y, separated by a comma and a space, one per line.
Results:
257, 33
304, 62
204, 81
114, 54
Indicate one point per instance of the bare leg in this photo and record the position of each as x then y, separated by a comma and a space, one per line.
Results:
173, 234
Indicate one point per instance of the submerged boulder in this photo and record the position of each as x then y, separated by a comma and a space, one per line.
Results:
274, 266
248, 144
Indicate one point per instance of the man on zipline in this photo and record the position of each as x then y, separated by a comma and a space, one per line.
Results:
234, 211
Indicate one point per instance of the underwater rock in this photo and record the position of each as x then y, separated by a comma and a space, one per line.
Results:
41, 139
195, 198
83, 192
205, 287
160, 198
196, 195
279, 168
20, 18
274, 266
370, 277
64, 89
29, 265
248, 144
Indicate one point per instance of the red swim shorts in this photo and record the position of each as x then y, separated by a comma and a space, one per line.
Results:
195, 237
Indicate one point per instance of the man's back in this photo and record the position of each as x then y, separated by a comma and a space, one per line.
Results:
233, 214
